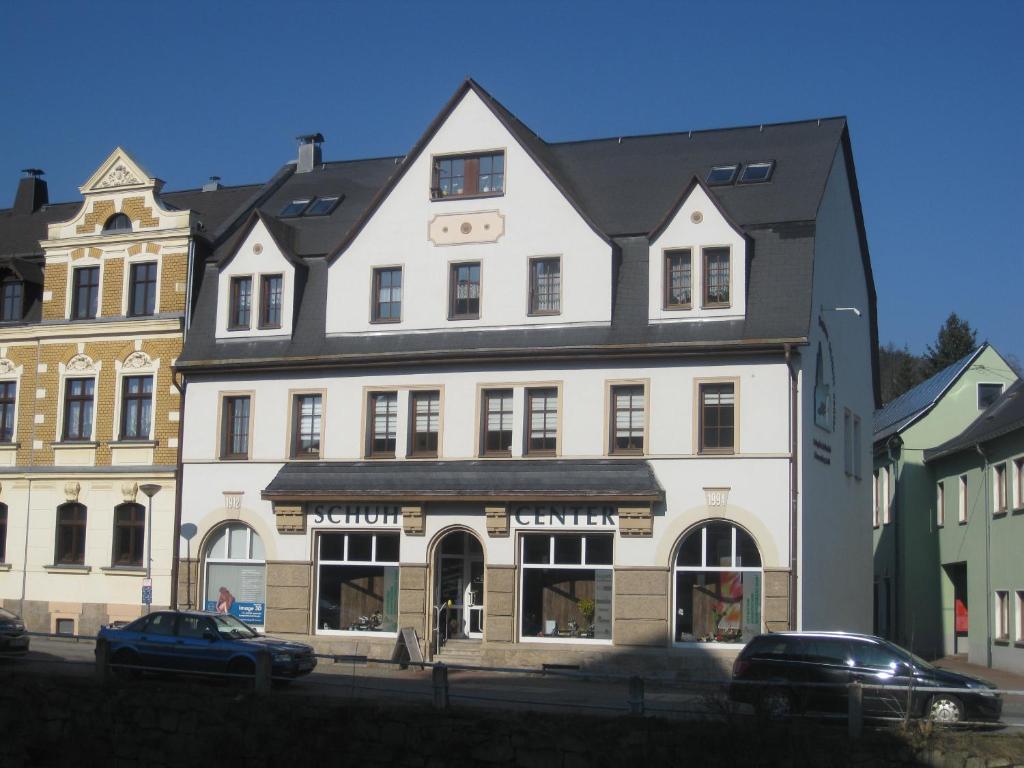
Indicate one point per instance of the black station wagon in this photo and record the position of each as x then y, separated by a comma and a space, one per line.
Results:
773, 672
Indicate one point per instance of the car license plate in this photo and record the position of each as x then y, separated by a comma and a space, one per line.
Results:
306, 664
18, 642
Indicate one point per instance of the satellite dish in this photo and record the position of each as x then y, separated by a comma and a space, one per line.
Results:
188, 531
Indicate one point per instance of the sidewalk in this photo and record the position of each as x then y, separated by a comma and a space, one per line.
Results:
1003, 679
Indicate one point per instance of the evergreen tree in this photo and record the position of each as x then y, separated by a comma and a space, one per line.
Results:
956, 339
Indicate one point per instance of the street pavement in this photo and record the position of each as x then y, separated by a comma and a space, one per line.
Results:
493, 690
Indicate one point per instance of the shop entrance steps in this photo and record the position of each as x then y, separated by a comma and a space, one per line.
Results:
460, 652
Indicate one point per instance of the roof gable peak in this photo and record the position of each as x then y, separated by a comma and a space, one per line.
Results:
120, 171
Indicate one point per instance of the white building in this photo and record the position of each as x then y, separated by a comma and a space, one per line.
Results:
596, 394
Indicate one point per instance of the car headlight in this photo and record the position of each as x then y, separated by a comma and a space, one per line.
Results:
282, 657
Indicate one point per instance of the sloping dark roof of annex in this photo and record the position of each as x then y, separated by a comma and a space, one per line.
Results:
1005, 415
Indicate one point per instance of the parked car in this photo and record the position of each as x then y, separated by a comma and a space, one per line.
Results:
13, 638
769, 671
198, 641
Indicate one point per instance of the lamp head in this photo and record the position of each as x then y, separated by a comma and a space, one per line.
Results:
150, 489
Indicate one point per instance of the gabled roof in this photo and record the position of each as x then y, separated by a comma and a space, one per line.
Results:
282, 235
898, 414
670, 214
1005, 415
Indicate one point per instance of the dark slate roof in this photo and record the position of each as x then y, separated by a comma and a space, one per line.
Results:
900, 413
1005, 415
548, 479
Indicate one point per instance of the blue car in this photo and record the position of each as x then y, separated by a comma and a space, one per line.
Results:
197, 641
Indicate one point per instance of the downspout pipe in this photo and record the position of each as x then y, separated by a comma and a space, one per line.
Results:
985, 510
28, 503
794, 580
176, 547
896, 522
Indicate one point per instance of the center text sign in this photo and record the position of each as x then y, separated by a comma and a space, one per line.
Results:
562, 516
356, 515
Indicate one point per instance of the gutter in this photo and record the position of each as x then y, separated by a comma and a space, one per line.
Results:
794, 581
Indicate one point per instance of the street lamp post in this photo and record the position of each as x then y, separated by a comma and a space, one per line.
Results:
151, 490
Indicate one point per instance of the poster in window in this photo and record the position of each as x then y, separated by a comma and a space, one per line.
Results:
239, 590
751, 605
603, 605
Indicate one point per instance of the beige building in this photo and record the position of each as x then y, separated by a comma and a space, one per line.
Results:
93, 301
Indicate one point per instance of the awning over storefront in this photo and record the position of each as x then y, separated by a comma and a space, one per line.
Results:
625, 480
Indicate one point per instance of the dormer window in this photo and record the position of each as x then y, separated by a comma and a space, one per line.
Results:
119, 222
270, 300
716, 277
11, 293
468, 175
240, 308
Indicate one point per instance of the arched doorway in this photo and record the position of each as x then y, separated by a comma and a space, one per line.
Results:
235, 573
459, 578
718, 577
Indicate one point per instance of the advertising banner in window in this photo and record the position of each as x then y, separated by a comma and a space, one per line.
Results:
239, 590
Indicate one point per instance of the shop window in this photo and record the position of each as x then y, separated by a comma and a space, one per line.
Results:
240, 303
678, 279
235, 427
718, 579
387, 295
426, 423
236, 574
307, 412
464, 292
136, 407
357, 587
627, 419
129, 534
64, 627
542, 421
85, 292
545, 286
8, 390
3, 533
566, 587
271, 292
383, 425
497, 422
78, 406
70, 545
142, 289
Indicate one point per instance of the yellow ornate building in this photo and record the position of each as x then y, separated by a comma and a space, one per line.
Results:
91, 322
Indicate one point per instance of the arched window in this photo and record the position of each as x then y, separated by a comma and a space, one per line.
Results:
718, 585
117, 223
129, 534
3, 533
70, 545
236, 573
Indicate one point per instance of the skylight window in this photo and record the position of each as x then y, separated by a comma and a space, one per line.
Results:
321, 206
722, 174
295, 208
757, 173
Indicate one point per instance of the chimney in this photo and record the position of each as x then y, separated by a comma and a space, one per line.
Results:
212, 185
309, 152
32, 194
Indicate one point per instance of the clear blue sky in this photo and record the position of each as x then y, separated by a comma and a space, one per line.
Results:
933, 91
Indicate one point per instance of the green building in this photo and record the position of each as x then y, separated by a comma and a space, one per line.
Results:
979, 515
911, 584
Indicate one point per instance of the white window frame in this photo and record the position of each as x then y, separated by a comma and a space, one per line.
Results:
228, 560
1018, 636
319, 533
876, 498
581, 566
1002, 615
886, 499
143, 365
999, 501
940, 503
962, 500
1018, 482
981, 384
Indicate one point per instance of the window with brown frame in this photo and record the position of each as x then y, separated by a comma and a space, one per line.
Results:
235, 427
542, 421
307, 412
8, 394
387, 295
78, 406
464, 291
425, 410
497, 422
940, 504
717, 418
383, 424
678, 279
468, 175
240, 305
627, 418
86, 291
999, 476
3, 533
136, 407
1018, 470
129, 534
70, 544
271, 294
716, 277
545, 286
142, 289
11, 293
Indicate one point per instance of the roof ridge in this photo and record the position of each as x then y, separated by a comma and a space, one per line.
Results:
723, 129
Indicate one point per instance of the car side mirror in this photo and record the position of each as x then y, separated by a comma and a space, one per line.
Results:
209, 634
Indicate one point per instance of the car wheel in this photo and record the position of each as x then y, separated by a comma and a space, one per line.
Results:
124, 663
776, 704
246, 669
944, 708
